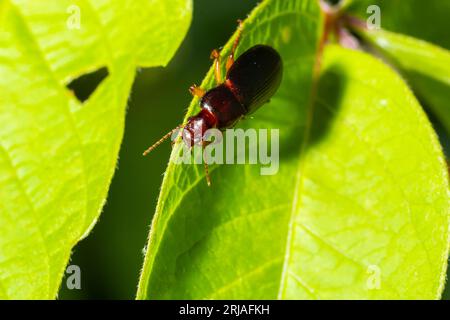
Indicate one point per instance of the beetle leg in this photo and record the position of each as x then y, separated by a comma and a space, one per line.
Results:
205, 163
215, 54
230, 59
196, 91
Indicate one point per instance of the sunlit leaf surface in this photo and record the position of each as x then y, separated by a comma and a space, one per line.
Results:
58, 155
425, 66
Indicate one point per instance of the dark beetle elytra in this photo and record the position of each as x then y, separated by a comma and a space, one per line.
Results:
250, 82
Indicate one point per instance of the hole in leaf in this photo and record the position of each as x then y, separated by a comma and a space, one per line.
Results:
85, 85
333, 2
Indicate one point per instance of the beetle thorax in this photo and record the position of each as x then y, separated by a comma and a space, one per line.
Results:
196, 127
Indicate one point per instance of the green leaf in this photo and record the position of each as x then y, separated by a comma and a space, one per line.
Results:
375, 193
426, 67
360, 196
293, 28
58, 155
427, 20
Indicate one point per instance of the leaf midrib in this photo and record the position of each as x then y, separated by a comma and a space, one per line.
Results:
299, 182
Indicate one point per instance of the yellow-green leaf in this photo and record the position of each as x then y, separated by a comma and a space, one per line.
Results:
425, 66
58, 155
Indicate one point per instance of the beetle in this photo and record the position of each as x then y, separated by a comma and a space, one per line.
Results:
250, 82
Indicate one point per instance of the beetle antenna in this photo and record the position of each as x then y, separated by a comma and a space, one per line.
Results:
164, 138
208, 178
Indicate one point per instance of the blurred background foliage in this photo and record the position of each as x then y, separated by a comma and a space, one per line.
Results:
111, 257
